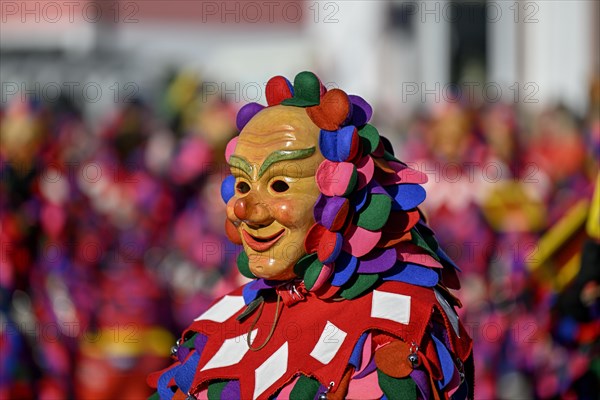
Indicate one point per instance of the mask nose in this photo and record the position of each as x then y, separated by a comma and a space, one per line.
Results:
252, 211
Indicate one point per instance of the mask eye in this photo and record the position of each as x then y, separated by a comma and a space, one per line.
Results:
279, 186
242, 187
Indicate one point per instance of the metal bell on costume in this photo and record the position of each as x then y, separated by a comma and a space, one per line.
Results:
413, 357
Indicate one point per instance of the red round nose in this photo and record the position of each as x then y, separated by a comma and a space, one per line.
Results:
240, 208
252, 211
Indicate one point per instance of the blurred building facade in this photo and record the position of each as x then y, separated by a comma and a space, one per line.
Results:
407, 53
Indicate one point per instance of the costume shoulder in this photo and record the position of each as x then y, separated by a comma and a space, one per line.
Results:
319, 342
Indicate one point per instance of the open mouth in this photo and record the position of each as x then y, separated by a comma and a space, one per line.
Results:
260, 244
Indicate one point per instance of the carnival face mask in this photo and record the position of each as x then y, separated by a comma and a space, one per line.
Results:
274, 164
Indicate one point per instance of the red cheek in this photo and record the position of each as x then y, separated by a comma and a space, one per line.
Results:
289, 213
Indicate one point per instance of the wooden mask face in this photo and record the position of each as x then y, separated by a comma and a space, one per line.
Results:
274, 164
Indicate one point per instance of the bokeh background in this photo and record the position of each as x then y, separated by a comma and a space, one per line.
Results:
114, 116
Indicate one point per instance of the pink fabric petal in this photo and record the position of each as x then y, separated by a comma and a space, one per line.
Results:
365, 169
359, 241
230, 148
323, 276
410, 252
365, 388
287, 389
403, 174
333, 178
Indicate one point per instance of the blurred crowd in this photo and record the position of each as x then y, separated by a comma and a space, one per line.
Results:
112, 237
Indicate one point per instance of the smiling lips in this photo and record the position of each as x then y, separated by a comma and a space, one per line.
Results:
260, 244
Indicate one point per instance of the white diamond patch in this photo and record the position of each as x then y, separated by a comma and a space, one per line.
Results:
329, 343
223, 309
231, 352
271, 370
392, 306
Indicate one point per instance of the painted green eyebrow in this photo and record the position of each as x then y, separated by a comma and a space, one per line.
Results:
274, 157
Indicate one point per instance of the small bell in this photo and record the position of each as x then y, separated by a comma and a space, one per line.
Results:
174, 350
190, 397
413, 359
323, 395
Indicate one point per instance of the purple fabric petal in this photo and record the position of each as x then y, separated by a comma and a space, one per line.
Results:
246, 113
182, 353
260, 284
319, 207
376, 188
331, 210
361, 110
231, 390
377, 261
200, 342
413, 274
368, 369
345, 266
322, 389
422, 380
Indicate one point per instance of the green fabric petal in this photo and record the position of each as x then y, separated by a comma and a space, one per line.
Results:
243, 264
419, 241
190, 342
359, 285
305, 388
397, 388
308, 267
369, 138
375, 213
215, 390
155, 396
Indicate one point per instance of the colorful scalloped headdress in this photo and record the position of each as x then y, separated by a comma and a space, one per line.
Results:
368, 227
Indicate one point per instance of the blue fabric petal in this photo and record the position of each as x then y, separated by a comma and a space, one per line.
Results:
185, 373
344, 142
446, 259
360, 199
249, 293
228, 188
164, 391
336, 250
446, 362
336, 145
345, 266
406, 196
328, 144
413, 274
356, 356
